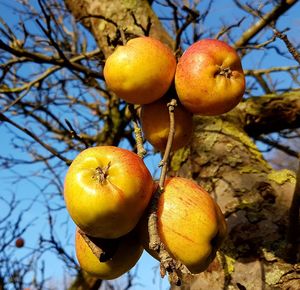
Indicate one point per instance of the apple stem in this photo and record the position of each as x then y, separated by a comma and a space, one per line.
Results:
102, 173
167, 263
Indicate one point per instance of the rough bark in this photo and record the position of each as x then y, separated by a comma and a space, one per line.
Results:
270, 113
223, 158
255, 199
103, 18
118, 12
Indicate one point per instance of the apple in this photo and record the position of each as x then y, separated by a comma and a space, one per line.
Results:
141, 71
209, 78
125, 257
190, 224
19, 242
106, 191
155, 124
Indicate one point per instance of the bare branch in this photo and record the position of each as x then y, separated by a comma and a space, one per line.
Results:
265, 20
167, 263
274, 144
38, 140
42, 58
288, 44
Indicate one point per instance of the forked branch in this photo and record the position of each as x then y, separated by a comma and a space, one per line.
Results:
264, 21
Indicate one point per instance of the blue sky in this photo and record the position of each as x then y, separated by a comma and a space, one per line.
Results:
28, 189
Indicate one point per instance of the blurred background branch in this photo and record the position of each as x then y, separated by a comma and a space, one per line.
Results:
54, 103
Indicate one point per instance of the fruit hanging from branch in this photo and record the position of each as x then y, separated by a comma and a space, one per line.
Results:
190, 224
141, 71
106, 191
155, 123
209, 78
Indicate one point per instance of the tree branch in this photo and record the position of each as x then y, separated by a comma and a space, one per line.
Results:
265, 20
284, 148
42, 58
116, 11
270, 113
290, 47
167, 264
33, 136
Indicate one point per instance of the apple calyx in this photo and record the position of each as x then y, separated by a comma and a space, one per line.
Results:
224, 71
101, 173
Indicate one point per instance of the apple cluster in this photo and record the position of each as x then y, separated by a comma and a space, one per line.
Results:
108, 189
207, 80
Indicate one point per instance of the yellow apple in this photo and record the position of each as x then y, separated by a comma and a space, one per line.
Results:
141, 71
155, 123
125, 257
190, 224
209, 78
106, 191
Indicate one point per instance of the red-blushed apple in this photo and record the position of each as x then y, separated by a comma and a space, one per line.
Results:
155, 124
106, 191
209, 78
190, 224
125, 257
141, 71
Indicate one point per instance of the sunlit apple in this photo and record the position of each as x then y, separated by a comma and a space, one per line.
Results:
209, 78
141, 71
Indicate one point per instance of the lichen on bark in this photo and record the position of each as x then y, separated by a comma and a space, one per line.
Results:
254, 197
223, 158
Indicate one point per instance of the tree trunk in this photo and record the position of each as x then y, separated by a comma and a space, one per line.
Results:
255, 199
222, 158
103, 18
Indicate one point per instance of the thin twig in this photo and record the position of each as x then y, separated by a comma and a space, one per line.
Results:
290, 47
283, 148
167, 263
193, 16
103, 249
42, 58
228, 28
273, 15
146, 30
33, 136
137, 132
270, 70
48, 31
41, 77
74, 134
